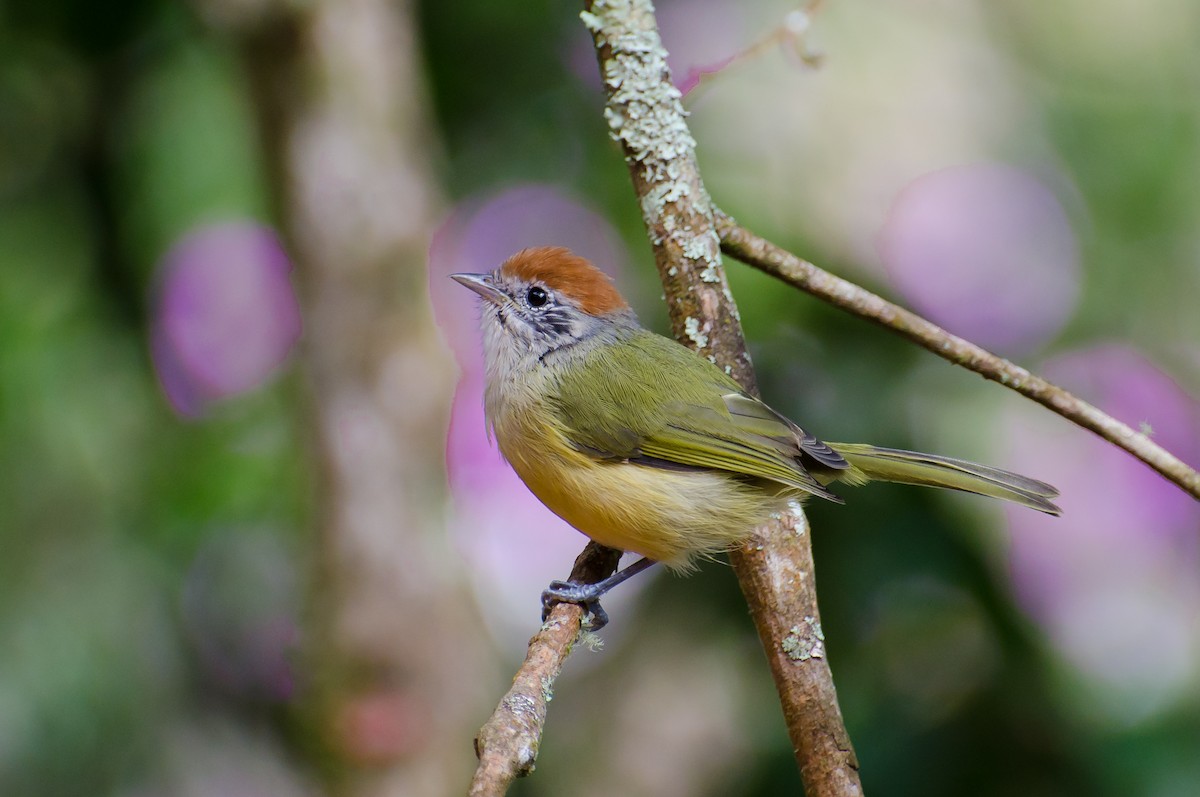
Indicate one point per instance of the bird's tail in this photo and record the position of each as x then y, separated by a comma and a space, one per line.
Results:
909, 467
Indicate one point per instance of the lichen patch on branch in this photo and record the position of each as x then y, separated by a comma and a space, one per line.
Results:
645, 112
645, 116
804, 643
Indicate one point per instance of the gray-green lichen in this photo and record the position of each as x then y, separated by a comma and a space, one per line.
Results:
660, 194
646, 116
691, 327
704, 249
797, 511
732, 305
522, 706
644, 111
591, 641
802, 644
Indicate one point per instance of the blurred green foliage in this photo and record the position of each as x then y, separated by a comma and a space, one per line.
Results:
120, 127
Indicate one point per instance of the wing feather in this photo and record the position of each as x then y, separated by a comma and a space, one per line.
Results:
692, 415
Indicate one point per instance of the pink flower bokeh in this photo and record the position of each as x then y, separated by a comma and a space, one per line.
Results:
985, 250
225, 314
1115, 581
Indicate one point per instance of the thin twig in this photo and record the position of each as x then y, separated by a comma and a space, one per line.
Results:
743, 245
507, 744
775, 569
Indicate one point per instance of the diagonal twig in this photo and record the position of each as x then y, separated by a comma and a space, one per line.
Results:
507, 744
741, 244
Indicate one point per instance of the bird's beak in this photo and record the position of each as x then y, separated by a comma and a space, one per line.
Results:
483, 285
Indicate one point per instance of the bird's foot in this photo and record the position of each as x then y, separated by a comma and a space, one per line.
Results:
585, 595
588, 595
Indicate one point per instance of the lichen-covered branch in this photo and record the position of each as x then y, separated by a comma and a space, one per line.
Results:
646, 117
743, 245
507, 744
775, 569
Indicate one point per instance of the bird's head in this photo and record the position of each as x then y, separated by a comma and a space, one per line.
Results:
545, 300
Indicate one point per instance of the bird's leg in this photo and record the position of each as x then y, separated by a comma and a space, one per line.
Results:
588, 595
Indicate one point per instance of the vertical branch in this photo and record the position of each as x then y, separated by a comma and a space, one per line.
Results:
775, 569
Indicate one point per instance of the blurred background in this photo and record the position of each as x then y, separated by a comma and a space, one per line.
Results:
255, 540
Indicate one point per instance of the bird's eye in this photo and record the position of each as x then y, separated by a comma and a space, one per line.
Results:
537, 296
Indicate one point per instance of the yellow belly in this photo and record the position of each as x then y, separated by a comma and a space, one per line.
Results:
669, 516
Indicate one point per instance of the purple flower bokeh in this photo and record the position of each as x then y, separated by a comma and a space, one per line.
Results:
985, 250
1115, 581
702, 37
225, 314
512, 544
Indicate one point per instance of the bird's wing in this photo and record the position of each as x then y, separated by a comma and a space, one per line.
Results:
650, 401
754, 416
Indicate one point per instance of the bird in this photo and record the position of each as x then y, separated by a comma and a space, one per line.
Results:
646, 446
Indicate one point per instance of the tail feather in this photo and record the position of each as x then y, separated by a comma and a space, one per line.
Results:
910, 467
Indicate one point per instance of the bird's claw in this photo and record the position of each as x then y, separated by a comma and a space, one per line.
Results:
584, 595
